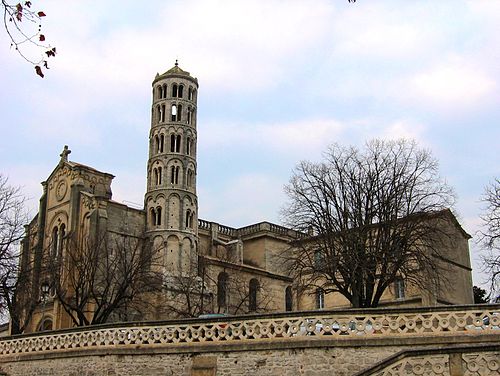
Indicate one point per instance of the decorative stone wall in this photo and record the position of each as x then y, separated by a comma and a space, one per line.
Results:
352, 342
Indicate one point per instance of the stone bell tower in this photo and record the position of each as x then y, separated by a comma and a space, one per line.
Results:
171, 202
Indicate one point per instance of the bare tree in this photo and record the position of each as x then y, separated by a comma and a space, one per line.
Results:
23, 25
490, 234
201, 292
373, 215
16, 297
97, 278
188, 295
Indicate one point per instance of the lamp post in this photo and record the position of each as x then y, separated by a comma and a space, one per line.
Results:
45, 292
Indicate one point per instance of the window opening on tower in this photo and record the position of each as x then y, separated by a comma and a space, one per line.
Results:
174, 112
174, 175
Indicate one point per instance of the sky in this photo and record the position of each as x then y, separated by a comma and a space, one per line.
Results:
280, 81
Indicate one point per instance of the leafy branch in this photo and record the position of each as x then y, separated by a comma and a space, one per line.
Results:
24, 28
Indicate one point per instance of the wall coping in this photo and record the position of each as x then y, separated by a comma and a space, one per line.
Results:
340, 328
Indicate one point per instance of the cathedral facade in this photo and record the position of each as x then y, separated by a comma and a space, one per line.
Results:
202, 266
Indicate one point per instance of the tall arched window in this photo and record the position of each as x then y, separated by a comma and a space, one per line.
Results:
55, 240
288, 299
181, 90
188, 146
60, 244
190, 93
158, 177
189, 178
172, 143
174, 175
174, 113
174, 90
179, 112
189, 219
158, 110
164, 91
320, 298
161, 143
222, 291
178, 144
399, 288
189, 115
175, 143
162, 113
160, 92
158, 216
253, 288
157, 144
152, 214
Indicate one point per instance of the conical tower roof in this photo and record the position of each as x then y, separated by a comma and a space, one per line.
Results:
175, 71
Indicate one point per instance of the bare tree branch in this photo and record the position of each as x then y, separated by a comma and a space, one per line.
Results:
372, 217
489, 235
101, 277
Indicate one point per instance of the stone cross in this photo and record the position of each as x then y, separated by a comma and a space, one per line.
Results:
64, 154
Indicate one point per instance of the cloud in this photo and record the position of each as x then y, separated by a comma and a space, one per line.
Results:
245, 199
306, 135
453, 84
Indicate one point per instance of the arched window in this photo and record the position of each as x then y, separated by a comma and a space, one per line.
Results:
399, 288
181, 90
189, 219
288, 299
161, 143
189, 179
319, 261
158, 180
160, 92
188, 146
174, 90
153, 216
190, 115
174, 113
172, 143
253, 288
164, 91
222, 290
55, 240
179, 112
174, 175
175, 143
178, 144
60, 242
158, 108
157, 143
45, 324
162, 113
320, 298
190, 93
158, 216
155, 175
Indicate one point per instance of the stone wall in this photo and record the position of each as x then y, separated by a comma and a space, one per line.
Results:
455, 341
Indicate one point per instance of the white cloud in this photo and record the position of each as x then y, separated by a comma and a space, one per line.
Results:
307, 136
455, 83
244, 200
385, 32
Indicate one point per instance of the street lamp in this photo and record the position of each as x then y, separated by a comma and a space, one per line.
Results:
45, 287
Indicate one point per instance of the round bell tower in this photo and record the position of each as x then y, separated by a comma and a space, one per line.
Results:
171, 202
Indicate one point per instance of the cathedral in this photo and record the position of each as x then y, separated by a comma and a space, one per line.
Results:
201, 266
